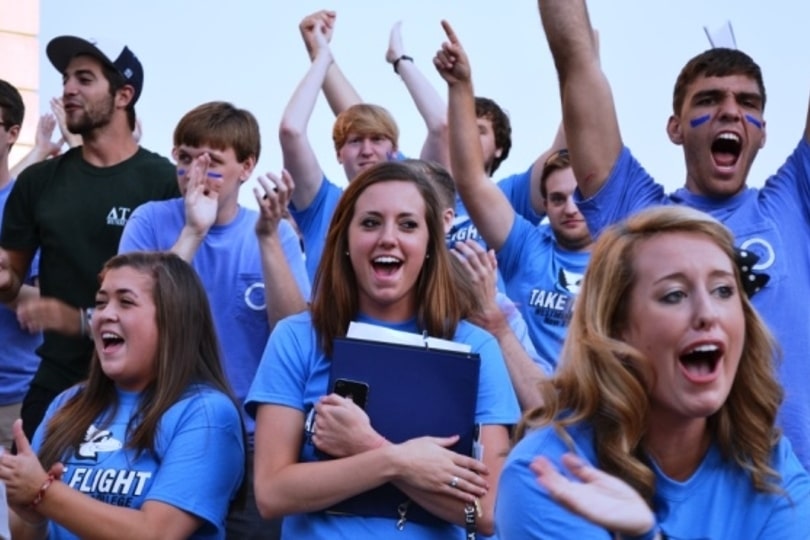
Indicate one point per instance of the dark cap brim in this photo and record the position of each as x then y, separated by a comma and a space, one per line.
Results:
61, 50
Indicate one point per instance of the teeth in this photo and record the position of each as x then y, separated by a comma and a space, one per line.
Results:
386, 260
729, 137
704, 348
109, 335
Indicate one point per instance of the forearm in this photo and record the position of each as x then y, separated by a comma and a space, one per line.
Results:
92, 519
314, 486
282, 294
187, 244
486, 204
525, 374
9, 294
339, 92
431, 108
568, 31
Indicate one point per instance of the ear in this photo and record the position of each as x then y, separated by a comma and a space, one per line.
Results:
339, 157
447, 216
13, 134
674, 130
174, 153
247, 168
124, 96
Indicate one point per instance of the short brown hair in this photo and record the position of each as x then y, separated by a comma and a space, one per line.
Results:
501, 127
220, 125
719, 62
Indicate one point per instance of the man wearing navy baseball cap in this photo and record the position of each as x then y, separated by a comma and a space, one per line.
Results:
74, 208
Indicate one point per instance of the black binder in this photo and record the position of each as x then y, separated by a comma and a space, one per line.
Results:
412, 392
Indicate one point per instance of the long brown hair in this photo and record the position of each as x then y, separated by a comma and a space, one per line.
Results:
335, 298
188, 353
601, 379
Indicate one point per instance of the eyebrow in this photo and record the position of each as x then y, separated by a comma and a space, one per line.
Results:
680, 276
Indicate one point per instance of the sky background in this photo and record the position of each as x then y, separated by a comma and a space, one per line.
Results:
251, 53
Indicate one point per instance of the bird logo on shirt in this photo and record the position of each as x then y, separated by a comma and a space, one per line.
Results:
98, 440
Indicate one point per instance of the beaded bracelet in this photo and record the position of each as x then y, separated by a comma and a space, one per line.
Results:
41, 493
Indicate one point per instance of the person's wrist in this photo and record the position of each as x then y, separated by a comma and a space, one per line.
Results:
400, 58
652, 533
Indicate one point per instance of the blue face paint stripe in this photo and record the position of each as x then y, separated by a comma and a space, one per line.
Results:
695, 122
756, 121
210, 174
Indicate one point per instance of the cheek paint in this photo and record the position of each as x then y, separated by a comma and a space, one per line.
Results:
695, 122
211, 174
753, 120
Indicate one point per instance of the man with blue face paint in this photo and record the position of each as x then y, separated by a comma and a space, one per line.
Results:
718, 105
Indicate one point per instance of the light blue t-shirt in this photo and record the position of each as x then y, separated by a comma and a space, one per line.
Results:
295, 373
518, 189
774, 223
18, 358
718, 501
197, 467
313, 222
229, 265
543, 280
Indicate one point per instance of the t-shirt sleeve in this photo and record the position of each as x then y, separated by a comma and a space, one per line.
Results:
628, 189
789, 188
203, 463
518, 189
282, 374
295, 258
790, 518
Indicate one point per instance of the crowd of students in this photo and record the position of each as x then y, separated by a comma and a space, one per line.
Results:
641, 356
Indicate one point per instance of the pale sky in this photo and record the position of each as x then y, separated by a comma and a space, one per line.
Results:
250, 53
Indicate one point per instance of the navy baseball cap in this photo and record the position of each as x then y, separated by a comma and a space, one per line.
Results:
62, 49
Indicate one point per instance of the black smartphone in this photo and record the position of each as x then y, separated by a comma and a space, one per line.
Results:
355, 390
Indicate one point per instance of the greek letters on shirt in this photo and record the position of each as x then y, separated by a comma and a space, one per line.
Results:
118, 215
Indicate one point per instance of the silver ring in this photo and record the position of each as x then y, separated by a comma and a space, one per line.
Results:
454, 482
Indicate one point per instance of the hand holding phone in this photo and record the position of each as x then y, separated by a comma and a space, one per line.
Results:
357, 391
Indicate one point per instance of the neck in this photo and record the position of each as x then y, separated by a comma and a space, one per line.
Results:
5, 174
109, 145
677, 449
226, 213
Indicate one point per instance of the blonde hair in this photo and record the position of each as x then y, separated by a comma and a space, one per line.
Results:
364, 119
601, 378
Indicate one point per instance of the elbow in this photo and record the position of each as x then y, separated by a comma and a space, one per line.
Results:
438, 129
485, 525
268, 507
289, 132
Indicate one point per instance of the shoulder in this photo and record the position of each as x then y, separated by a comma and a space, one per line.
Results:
44, 169
472, 334
204, 406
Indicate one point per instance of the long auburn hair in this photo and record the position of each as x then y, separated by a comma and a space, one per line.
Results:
335, 298
601, 379
188, 354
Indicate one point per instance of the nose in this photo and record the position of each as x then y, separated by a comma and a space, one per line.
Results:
367, 147
729, 108
705, 311
570, 207
388, 234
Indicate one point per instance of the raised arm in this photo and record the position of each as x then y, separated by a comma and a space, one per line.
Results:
488, 207
43, 146
299, 157
589, 115
339, 92
282, 292
427, 100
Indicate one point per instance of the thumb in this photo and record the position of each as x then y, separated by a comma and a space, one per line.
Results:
57, 470
20, 440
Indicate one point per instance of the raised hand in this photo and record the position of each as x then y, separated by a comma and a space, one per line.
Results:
451, 61
482, 267
432, 467
272, 199
319, 23
42, 140
395, 47
599, 497
342, 428
22, 473
201, 200
58, 110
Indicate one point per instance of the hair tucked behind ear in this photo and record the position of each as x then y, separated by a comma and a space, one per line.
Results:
601, 379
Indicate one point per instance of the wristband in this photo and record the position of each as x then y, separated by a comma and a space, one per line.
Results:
653, 534
400, 59
41, 493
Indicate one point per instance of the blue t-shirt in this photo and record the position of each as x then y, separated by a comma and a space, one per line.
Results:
197, 466
313, 222
774, 223
718, 501
518, 189
18, 358
295, 373
228, 262
543, 280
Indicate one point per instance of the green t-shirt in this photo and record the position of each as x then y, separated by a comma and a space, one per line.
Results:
75, 213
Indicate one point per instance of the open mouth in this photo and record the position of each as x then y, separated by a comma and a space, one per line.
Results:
111, 340
726, 149
386, 265
701, 362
